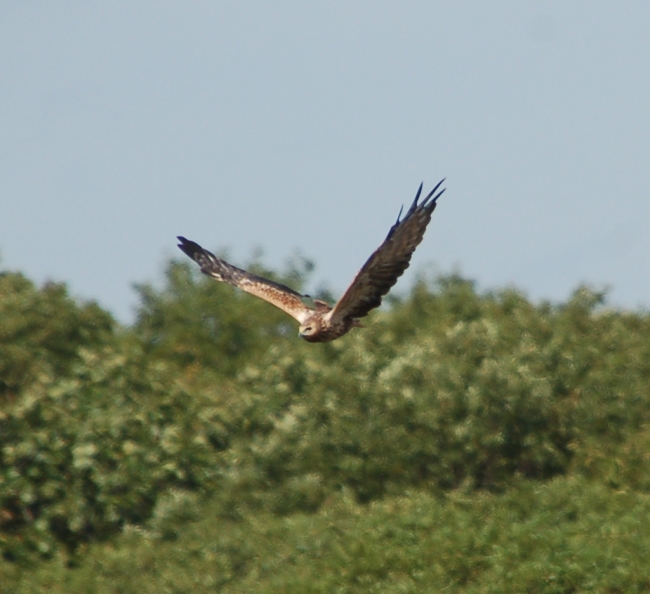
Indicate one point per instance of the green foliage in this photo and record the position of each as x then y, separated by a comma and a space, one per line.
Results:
81, 456
500, 389
43, 329
567, 535
463, 441
92, 431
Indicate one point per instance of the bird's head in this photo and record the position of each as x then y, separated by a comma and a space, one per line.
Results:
309, 330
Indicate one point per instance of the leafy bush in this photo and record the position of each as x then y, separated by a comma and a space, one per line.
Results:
84, 454
501, 389
209, 392
43, 328
565, 535
417, 420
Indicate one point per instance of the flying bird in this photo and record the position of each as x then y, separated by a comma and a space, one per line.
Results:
322, 323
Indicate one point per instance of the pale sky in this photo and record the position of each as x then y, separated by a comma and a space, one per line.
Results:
305, 126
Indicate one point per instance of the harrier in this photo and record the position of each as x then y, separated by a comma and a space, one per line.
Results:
322, 323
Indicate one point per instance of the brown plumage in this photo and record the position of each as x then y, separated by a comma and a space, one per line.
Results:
323, 323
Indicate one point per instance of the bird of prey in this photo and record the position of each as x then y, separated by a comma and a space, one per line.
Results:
322, 323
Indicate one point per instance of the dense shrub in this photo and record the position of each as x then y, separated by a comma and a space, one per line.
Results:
43, 328
210, 392
565, 535
82, 455
501, 389
419, 419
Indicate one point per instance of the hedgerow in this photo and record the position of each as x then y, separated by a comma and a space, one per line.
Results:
447, 390
85, 454
564, 535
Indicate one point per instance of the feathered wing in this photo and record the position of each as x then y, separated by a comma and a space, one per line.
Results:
389, 261
283, 297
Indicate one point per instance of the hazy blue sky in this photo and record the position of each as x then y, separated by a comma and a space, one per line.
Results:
304, 126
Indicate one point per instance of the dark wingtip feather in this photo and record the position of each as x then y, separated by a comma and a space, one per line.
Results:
188, 247
435, 189
431, 201
417, 195
426, 203
414, 206
399, 214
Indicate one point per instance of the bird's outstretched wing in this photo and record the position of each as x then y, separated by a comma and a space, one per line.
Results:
283, 297
389, 261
